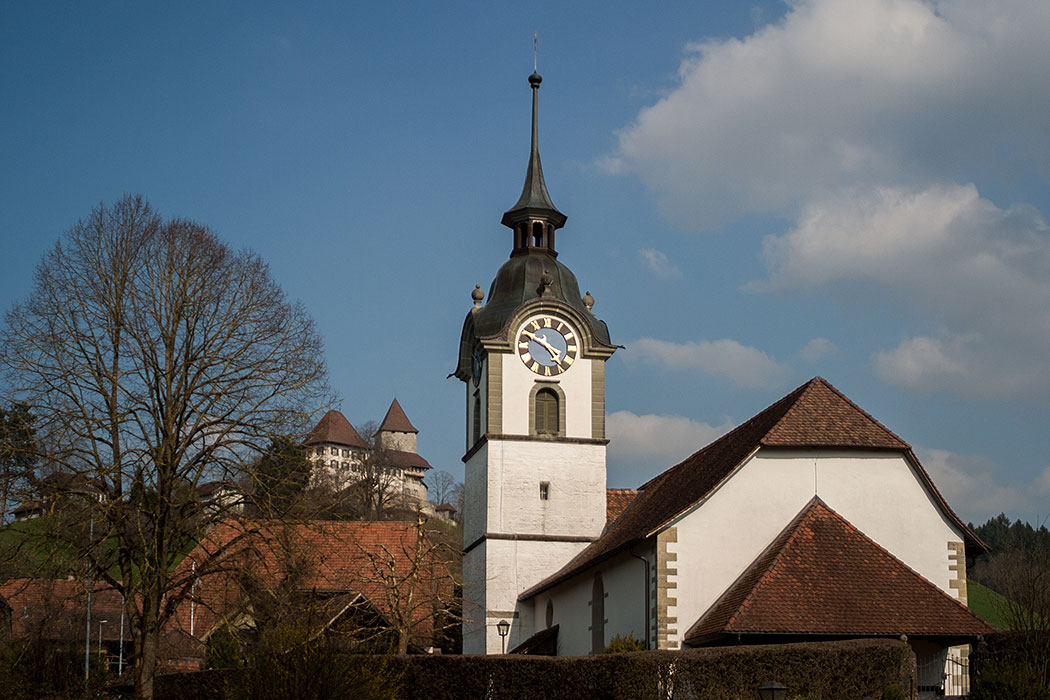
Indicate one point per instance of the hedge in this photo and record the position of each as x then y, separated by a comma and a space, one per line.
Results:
854, 669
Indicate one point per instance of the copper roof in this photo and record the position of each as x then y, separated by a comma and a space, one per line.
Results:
815, 415
336, 429
396, 421
822, 576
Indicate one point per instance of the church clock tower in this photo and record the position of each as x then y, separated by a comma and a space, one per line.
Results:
532, 358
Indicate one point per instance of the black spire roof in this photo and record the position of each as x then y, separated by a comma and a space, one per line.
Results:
535, 200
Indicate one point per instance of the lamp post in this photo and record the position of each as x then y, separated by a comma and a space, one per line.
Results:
503, 627
773, 691
100, 623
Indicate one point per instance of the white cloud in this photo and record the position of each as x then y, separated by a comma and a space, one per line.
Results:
973, 487
981, 274
658, 263
1043, 483
725, 359
817, 349
649, 444
852, 93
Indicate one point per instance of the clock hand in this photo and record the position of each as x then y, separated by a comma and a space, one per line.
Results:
555, 354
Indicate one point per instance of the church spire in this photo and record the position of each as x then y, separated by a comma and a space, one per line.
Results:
534, 217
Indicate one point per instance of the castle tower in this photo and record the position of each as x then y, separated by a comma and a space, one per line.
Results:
533, 361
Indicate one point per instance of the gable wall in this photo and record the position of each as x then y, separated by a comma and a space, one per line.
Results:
877, 492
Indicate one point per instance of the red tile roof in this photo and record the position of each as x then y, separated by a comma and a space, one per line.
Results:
336, 429
822, 576
616, 502
371, 558
396, 421
815, 415
54, 609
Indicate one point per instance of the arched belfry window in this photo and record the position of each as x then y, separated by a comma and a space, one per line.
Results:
537, 234
477, 416
597, 615
547, 410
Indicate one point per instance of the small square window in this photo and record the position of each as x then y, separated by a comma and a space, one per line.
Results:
545, 490
335, 451
346, 452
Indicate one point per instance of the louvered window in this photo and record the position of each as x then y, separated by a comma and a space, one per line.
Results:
546, 412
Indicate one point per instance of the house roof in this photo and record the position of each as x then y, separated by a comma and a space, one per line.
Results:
320, 556
210, 487
822, 576
396, 421
336, 429
616, 502
54, 609
815, 415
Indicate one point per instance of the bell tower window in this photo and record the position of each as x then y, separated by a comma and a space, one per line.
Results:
537, 234
547, 410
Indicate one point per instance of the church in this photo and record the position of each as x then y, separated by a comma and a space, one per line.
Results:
810, 521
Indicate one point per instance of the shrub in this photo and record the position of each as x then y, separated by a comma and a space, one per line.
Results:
289, 663
1009, 681
622, 643
223, 650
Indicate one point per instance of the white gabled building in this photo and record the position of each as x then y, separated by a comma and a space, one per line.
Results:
809, 521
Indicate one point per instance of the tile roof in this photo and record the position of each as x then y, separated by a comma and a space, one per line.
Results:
396, 421
336, 429
370, 558
822, 576
616, 502
54, 609
815, 415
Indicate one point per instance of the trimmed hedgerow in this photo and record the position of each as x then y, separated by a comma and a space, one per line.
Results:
855, 669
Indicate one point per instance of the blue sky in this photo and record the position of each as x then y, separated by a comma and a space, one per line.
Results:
757, 194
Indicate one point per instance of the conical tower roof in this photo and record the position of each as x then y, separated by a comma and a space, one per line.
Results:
396, 421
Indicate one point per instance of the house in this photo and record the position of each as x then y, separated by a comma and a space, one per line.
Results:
340, 456
383, 577
809, 521
55, 611
57, 490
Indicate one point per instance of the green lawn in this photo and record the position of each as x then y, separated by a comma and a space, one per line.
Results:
987, 603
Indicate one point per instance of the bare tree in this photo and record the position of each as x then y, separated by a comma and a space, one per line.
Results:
441, 486
155, 359
416, 582
17, 461
377, 491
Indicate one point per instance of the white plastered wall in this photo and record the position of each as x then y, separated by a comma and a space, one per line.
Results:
876, 492
575, 475
623, 578
518, 382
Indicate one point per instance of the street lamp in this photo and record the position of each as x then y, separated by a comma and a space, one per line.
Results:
100, 623
503, 627
773, 691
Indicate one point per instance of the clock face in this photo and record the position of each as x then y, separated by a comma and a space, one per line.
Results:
547, 345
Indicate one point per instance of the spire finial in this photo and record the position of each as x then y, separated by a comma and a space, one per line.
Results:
535, 48
535, 201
